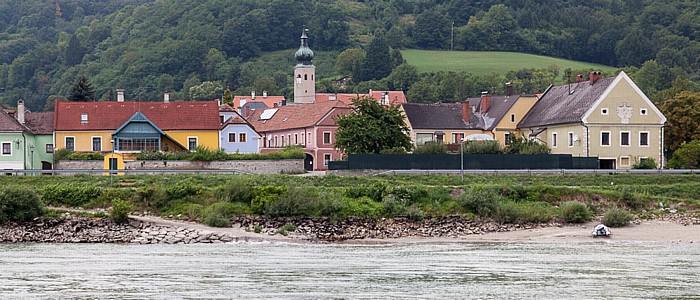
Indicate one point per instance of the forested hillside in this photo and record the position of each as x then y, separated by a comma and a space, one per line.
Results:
148, 47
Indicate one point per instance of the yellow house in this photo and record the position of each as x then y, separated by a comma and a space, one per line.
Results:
128, 128
609, 118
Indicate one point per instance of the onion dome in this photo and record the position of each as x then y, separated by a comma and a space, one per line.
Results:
304, 55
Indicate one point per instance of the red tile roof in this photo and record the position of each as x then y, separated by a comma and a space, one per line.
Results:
195, 115
295, 115
270, 101
395, 97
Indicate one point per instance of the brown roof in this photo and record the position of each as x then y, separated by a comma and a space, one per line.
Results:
39, 122
565, 103
194, 115
500, 105
8, 123
295, 115
226, 107
438, 116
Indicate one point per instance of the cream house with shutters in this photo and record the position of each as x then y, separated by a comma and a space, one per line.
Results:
609, 118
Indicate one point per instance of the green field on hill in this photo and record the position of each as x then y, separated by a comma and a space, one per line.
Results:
488, 62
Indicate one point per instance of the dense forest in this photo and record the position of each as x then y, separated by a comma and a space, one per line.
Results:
196, 49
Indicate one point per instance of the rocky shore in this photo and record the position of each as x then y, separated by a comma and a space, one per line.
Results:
75, 229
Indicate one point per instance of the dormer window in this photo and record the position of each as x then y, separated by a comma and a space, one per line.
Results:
83, 118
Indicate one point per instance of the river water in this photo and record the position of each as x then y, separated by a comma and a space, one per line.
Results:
595, 270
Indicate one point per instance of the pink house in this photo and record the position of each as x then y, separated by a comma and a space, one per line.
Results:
311, 126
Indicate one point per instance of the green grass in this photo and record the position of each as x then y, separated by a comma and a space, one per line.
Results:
486, 62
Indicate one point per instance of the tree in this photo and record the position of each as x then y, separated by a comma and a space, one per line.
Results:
73, 54
206, 91
403, 77
432, 30
228, 97
683, 119
349, 61
371, 128
423, 91
82, 91
377, 63
687, 156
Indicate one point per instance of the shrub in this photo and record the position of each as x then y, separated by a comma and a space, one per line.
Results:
19, 205
219, 214
507, 212
84, 156
431, 148
373, 191
152, 195
264, 197
575, 212
238, 189
687, 156
537, 212
108, 195
631, 199
523, 146
183, 189
395, 150
415, 213
69, 194
645, 163
120, 211
616, 217
286, 228
479, 200
394, 206
482, 147
61, 154
362, 207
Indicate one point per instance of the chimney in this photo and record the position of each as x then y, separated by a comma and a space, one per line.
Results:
265, 94
579, 78
465, 111
252, 95
120, 95
386, 98
509, 89
485, 102
246, 112
242, 102
284, 102
166, 97
594, 76
20, 111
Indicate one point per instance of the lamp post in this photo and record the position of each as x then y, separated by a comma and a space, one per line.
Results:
110, 161
461, 154
31, 157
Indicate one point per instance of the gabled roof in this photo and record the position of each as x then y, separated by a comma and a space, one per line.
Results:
439, 116
395, 97
498, 108
39, 122
225, 107
295, 116
270, 101
237, 119
138, 117
8, 123
195, 115
560, 106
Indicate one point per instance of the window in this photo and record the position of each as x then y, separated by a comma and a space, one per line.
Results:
326, 138
506, 138
242, 137
289, 139
275, 141
282, 140
97, 143
554, 140
49, 148
232, 137
306, 77
192, 143
512, 118
643, 111
138, 144
309, 137
83, 118
457, 137
70, 143
605, 138
296, 139
571, 139
604, 111
326, 159
440, 137
7, 148
422, 138
624, 138
624, 160
644, 138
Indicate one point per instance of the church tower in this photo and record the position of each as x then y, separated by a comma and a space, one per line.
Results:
304, 73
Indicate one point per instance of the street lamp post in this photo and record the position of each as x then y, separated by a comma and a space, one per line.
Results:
31, 157
461, 154
110, 161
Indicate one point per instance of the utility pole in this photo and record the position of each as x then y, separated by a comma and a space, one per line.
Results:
452, 36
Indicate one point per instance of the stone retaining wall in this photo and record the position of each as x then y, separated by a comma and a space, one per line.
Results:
285, 166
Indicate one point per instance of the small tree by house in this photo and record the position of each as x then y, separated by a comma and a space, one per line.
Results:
371, 128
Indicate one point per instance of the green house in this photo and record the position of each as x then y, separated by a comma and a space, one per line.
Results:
26, 139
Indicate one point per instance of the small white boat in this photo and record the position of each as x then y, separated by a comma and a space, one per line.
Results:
601, 230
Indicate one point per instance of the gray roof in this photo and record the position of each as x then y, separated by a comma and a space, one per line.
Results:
557, 106
255, 105
437, 116
8, 123
39, 122
499, 107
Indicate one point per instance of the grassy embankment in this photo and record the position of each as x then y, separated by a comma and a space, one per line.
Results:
213, 199
488, 62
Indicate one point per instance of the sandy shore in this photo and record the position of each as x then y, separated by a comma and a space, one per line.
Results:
647, 231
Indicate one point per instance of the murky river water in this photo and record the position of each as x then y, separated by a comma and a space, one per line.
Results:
600, 270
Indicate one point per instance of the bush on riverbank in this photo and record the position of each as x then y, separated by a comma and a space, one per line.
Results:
616, 217
575, 212
120, 211
19, 205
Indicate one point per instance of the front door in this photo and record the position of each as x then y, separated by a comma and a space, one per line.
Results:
309, 162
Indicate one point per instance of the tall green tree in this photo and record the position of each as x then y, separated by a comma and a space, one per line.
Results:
371, 128
683, 119
73, 54
82, 91
432, 30
228, 97
377, 63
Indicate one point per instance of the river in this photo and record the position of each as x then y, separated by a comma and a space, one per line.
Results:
593, 270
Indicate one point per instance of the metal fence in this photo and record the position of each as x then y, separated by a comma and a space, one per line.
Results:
539, 172
471, 162
117, 172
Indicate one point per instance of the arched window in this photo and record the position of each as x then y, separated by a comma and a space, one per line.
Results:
306, 77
